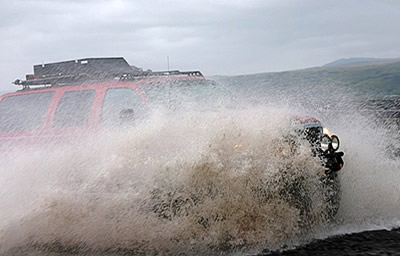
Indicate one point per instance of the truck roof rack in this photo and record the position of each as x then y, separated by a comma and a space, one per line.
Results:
90, 69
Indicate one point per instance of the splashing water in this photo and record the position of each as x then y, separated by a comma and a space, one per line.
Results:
199, 182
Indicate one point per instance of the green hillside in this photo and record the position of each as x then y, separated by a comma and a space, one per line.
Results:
366, 80
381, 79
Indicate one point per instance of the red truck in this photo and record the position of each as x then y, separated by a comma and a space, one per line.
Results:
61, 101
73, 99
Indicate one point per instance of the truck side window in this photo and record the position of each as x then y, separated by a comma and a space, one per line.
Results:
24, 112
73, 110
121, 106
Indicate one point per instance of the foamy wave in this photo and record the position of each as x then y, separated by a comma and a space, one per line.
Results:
193, 183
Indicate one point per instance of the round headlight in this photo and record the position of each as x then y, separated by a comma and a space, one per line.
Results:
325, 141
335, 142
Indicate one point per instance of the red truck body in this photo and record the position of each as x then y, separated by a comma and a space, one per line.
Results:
47, 131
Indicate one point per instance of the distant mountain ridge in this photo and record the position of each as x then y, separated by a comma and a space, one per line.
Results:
360, 61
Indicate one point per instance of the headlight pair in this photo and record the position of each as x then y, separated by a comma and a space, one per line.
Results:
329, 142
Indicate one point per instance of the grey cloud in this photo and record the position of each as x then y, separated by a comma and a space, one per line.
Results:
217, 37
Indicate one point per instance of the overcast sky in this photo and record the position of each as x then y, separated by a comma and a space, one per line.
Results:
224, 37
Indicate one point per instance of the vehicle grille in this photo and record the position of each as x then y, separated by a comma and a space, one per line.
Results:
313, 134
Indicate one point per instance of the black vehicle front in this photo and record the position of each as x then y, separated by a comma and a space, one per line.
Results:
325, 145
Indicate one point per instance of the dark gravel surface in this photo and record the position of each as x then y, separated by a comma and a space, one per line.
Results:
379, 242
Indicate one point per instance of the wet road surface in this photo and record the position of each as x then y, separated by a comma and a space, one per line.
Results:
378, 242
